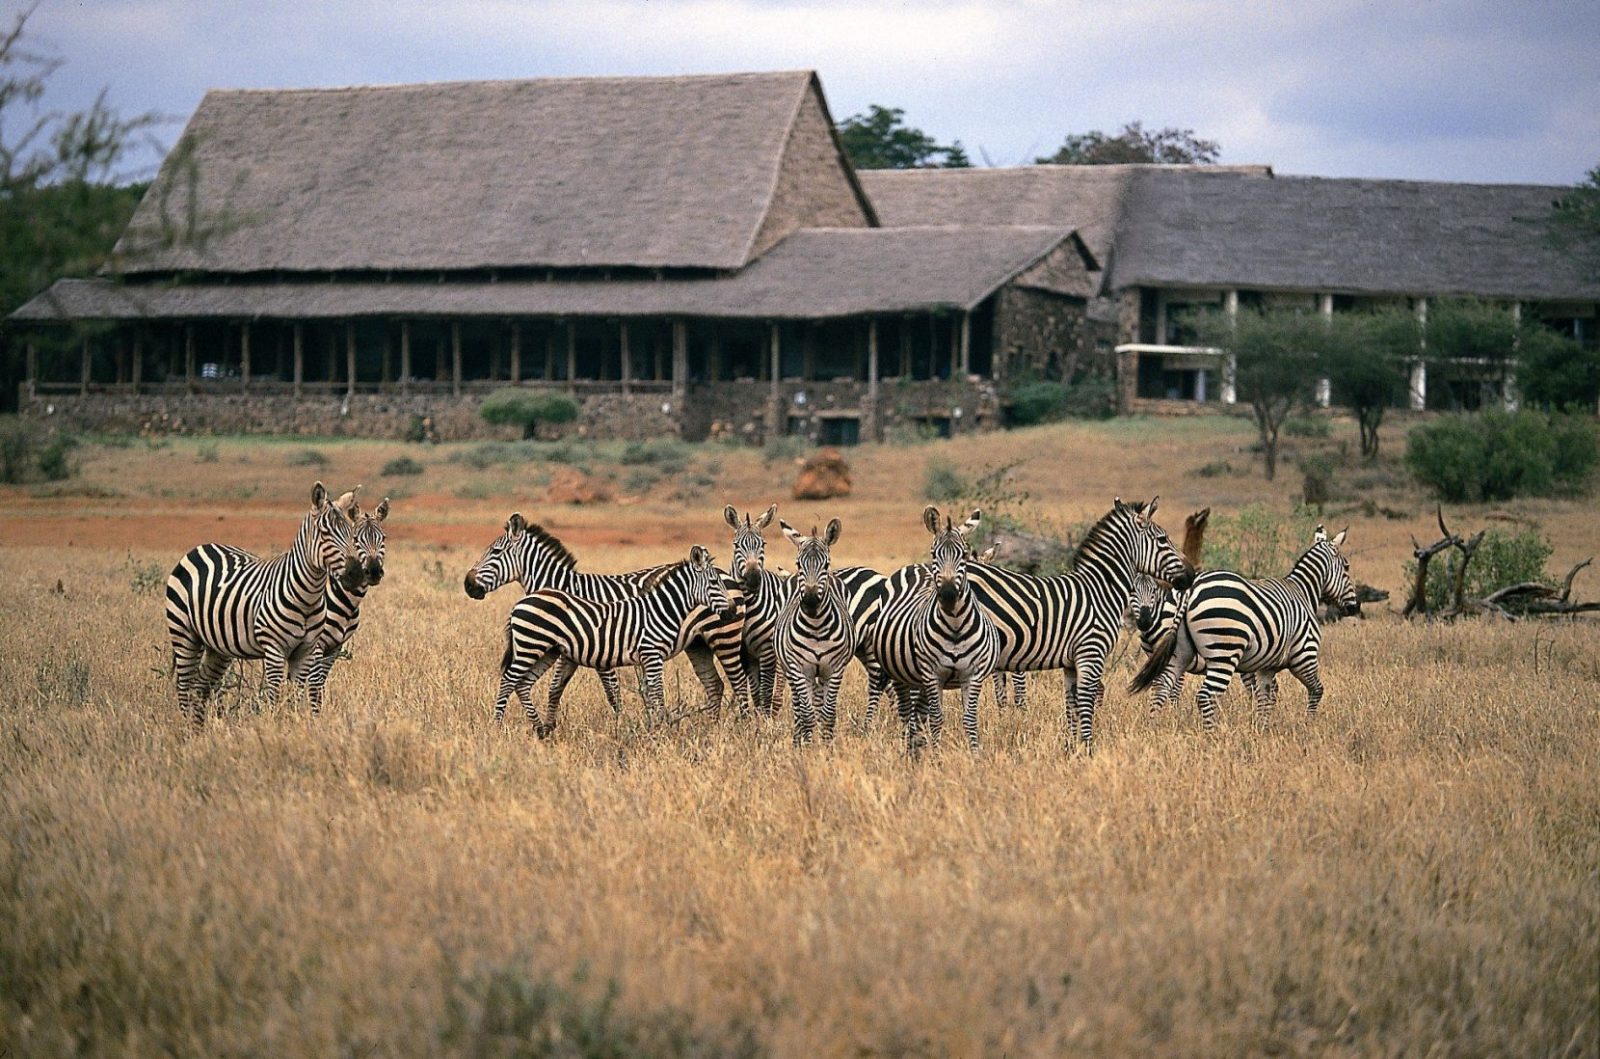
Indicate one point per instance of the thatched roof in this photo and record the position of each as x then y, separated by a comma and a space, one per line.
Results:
653, 172
1087, 198
1346, 236
815, 273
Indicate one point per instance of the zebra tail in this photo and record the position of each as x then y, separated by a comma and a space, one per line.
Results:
1156, 664
505, 659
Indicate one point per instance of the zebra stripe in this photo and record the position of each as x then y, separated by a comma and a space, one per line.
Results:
526, 552
1071, 621
766, 594
933, 634
225, 603
1262, 627
814, 637
345, 597
643, 630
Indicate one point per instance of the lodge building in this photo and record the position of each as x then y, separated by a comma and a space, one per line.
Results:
696, 255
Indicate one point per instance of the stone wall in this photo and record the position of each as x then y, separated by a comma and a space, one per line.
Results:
1040, 333
746, 409
813, 190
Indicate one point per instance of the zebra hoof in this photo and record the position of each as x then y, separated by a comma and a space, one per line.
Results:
544, 731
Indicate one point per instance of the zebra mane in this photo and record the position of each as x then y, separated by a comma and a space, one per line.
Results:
1098, 534
552, 544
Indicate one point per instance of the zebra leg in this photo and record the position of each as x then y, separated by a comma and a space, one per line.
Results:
906, 706
1219, 674
186, 656
767, 699
877, 684
1169, 685
830, 701
1306, 671
731, 655
932, 708
315, 676
1087, 696
1019, 690
608, 681
1001, 687
800, 702
517, 677
705, 667
1263, 688
970, 692
558, 686
655, 696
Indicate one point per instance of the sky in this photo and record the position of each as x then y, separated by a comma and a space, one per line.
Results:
1486, 91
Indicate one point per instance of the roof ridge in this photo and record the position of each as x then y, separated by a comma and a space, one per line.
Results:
505, 81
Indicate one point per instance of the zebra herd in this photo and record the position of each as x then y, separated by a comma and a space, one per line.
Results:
950, 622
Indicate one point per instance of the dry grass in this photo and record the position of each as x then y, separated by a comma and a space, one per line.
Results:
1411, 872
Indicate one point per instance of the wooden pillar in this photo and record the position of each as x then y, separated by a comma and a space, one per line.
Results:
333, 358
405, 356
244, 355
277, 354
655, 350
120, 355
1230, 367
1508, 385
86, 367
388, 356
494, 358
903, 361
1418, 395
438, 360
31, 368
350, 359
136, 369
869, 419
965, 345
572, 356
516, 354
188, 355
1324, 384
775, 366
299, 358
625, 355
455, 358
680, 360
549, 354
808, 353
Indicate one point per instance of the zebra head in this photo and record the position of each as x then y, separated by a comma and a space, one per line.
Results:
813, 560
369, 539
504, 561
749, 547
332, 532
948, 555
1154, 554
1145, 602
705, 581
1331, 571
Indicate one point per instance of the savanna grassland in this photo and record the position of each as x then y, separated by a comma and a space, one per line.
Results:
1412, 871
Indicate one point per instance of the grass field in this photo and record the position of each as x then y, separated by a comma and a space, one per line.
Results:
1415, 871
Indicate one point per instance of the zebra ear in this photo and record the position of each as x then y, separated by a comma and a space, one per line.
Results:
319, 496
988, 554
731, 516
1319, 535
1150, 508
516, 525
966, 528
698, 556
1338, 540
930, 518
790, 532
347, 504
832, 536
766, 520
382, 510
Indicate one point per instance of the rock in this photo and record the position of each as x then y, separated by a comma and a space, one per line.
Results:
568, 485
823, 475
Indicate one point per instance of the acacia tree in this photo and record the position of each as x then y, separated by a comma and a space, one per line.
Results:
1169, 146
880, 139
1363, 358
1275, 353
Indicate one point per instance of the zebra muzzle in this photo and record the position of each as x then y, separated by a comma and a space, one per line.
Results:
473, 587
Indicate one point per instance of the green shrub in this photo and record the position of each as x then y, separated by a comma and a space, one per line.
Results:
402, 467
1033, 401
1499, 455
1257, 541
1214, 469
671, 456
207, 452
1316, 480
53, 463
1091, 397
1307, 427
308, 458
783, 448
1501, 559
27, 451
908, 432
942, 483
515, 406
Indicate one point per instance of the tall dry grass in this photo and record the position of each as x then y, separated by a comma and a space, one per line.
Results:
1413, 871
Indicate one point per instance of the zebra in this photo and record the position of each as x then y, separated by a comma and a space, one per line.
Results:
765, 595
1071, 621
933, 634
643, 630
1260, 627
528, 553
345, 598
814, 637
225, 603
1014, 683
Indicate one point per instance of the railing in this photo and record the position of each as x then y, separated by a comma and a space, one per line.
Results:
1210, 357
279, 387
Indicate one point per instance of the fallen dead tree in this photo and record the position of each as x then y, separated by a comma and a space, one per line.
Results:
1525, 599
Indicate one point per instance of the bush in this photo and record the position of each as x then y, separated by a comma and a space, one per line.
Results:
1257, 541
207, 452
1501, 559
783, 448
1306, 427
671, 456
308, 458
403, 467
942, 483
527, 408
27, 451
1091, 397
1499, 455
1316, 481
1034, 401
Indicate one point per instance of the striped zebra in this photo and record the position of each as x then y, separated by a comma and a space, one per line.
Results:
814, 636
225, 603
1014, 683
1260, 627
1071, 621
933, 634
765, 595
345, 598
528, 553
643, 630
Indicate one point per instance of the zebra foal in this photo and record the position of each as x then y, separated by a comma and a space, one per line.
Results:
643, 630
814, 637
933, 634
1260, 627
345, 596
224, 603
